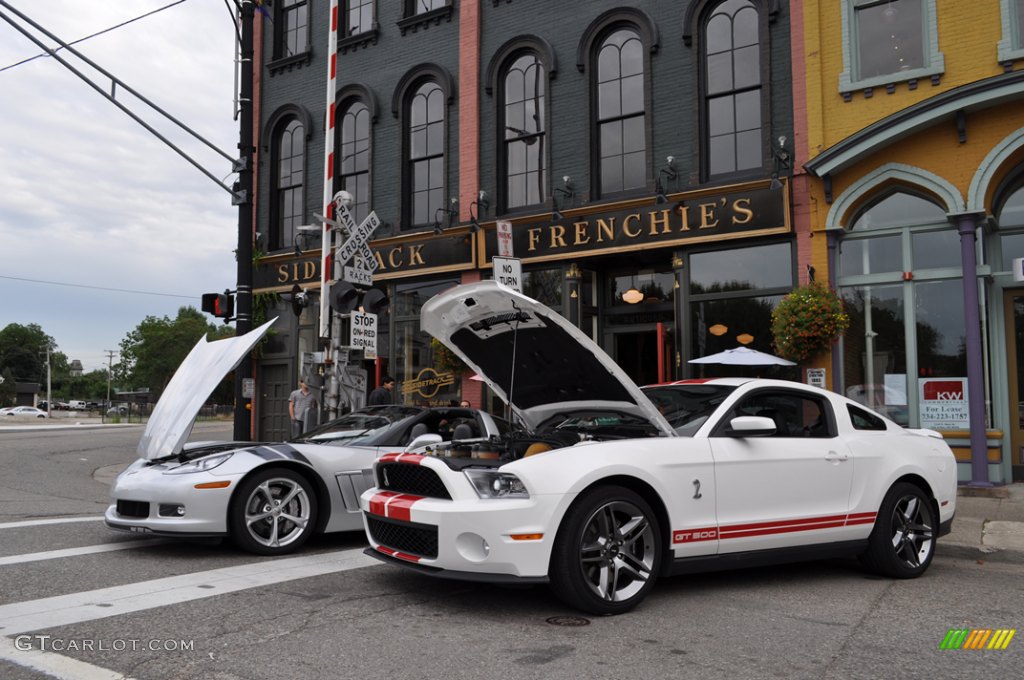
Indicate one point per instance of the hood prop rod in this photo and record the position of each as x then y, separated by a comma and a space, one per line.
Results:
512, 380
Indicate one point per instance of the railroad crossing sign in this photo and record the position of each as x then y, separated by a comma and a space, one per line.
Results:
355, 244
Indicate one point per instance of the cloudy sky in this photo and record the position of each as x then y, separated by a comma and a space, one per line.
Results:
101, 224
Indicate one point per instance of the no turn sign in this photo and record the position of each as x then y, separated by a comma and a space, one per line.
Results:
508, 271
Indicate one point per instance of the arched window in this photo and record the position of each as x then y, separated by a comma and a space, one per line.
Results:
732, 88
425, 167
354, 157
621, 115
523, 124
289, 160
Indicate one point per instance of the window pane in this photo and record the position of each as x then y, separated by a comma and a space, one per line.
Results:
758, 267
421, 214
418, 142
875, 346
738, 316
870, 256
435, 139
611, 174
516, 158
745, 26
1013, 247
435, 102
1012, 212
609, 102
633, 134
748, 149
608, 64
748, 110
889, 38
611, 139
936, 249
720, 115
632, 56
719, 34
436, 173
748, 67
719, 72
516, 190
900, 210
419, 175
545, 286
722, 154
632, 94
941, 346
634, 170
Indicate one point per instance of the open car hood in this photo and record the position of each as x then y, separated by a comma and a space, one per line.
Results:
189, 388
557, 367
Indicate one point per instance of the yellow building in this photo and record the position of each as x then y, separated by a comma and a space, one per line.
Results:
909, 193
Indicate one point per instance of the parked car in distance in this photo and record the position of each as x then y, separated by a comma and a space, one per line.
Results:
30, 411
268, 498
77, 404
118, 410
611, 487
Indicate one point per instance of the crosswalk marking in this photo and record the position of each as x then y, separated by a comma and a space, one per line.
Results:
74, 552
54, 520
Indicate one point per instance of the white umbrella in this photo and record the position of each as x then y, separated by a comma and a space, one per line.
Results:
743, 356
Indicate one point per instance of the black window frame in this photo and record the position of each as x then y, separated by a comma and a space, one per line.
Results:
280, 238
523, 135
282, 32
352, 37
344, 109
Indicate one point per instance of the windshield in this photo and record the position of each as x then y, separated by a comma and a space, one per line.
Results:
359, 427
599, 424
686, 407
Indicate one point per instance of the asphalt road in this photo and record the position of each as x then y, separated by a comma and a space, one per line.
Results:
114, 605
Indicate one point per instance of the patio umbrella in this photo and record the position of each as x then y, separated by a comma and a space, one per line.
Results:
743, 356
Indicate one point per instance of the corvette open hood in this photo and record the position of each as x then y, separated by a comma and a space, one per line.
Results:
532, 357
193, 382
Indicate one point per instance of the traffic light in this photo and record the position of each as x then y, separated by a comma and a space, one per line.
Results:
221, 305
347, 298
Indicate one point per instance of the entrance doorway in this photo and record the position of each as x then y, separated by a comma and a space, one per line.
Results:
1013, 301
274, 424
637, 353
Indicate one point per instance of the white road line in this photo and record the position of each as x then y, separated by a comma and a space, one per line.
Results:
54, 665
56, 520
74, 552
63, 610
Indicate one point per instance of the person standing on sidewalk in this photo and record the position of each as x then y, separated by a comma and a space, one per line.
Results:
382, 395
299, 402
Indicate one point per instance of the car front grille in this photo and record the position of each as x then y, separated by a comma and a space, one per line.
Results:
137, 509
412, 479
414, 539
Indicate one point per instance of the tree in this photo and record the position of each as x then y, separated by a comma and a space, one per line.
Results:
23, 352
8, 390
152, 352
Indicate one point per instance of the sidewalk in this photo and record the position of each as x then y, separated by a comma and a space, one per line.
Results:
988, 521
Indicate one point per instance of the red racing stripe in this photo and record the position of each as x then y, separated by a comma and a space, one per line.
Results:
378, 504
769, 528
400, 507
410, 458
399, 555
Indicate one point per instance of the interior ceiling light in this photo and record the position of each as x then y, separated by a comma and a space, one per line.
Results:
745, 338
632, 296
718, 329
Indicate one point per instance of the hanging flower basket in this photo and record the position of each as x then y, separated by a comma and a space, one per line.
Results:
807, 321
445, 359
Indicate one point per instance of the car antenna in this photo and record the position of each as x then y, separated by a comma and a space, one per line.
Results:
512, 381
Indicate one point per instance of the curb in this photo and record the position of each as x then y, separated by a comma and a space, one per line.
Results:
983, 491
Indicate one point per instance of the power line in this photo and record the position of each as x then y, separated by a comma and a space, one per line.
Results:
115, 290
105, 30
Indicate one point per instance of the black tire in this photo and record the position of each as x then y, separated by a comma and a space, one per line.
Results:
902, 543
273, 512
595, 565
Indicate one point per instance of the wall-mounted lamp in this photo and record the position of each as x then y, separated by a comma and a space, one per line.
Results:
450, 212
780, 160
668, 171
481, 203
302, 235
568, 190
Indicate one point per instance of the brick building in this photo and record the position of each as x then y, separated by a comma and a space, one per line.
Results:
641, 152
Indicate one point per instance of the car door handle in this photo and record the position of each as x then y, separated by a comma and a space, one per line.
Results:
836, 457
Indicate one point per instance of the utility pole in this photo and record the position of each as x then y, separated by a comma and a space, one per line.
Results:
49, 399
243, 199
110, 371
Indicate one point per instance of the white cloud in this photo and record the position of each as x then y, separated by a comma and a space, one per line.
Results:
89, 196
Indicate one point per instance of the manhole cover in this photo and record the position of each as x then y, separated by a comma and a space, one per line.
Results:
568, 621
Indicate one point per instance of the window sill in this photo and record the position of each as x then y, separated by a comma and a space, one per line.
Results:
1008, 55
357, 40
848, 87
289, 63
418, 21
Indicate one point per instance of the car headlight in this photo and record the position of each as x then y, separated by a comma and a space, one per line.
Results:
199, 465
494, 484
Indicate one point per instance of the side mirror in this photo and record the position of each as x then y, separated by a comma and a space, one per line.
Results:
751, 426
423, 440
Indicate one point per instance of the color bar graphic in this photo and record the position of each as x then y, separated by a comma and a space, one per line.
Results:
977, 638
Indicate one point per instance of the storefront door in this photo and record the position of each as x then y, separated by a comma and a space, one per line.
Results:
275, 387
1014, 306
636, 352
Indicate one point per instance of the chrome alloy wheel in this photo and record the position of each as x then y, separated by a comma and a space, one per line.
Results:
277, 512
617, 551
912, 537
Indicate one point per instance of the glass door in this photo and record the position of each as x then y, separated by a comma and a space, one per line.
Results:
1014, 306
